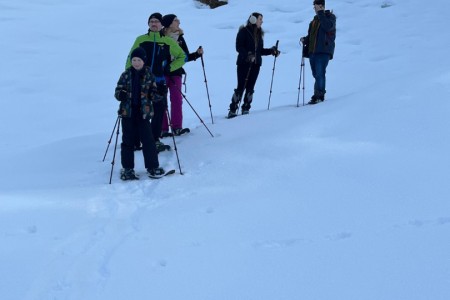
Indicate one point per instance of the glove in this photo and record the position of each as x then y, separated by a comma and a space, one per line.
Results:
275, 51
161, 89
123, 95
250, 57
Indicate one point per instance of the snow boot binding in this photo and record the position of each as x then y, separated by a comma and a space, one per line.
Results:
157, 173
160, 147
180, 131
128, 174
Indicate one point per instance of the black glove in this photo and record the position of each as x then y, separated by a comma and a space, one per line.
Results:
251, 57
275, 51
161, 88
123, 95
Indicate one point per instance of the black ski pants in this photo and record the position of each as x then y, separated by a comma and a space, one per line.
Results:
132, 129
242, 72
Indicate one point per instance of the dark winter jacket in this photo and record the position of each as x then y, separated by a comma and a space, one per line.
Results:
148, 88
321, 34
179, 38
247, 42
164, 55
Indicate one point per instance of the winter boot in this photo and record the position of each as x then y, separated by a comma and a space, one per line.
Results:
160, 147
235, 100
248, 98
128, 174
318, 96
156, 172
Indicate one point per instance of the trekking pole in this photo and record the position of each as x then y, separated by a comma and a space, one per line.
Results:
184, 96
245, 85
206, 84
110, 138
173, 139
302, 70
273, 72
115, 147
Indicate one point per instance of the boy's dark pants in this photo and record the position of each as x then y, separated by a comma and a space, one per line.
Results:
132, 128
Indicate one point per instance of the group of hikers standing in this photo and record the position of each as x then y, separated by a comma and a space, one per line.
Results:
154, 69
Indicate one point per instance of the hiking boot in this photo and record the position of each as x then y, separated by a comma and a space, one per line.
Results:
128, 174
177, 131
245, 112
165, 134
160, 147
155, 172
231, 114
315, 99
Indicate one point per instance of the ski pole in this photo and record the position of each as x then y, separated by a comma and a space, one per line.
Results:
184, 96
115, 147
206, 84
173, 139
273, 72
302, 70
110, 138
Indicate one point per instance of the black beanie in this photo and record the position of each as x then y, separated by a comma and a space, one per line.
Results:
319, 2
168, 19
155, 15
139, 52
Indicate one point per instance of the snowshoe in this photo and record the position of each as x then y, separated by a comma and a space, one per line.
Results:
157, 173
180, 131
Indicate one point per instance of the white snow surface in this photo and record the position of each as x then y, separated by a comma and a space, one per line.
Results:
348, 199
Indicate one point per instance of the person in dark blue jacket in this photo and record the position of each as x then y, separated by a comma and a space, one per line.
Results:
318, 46
250, 48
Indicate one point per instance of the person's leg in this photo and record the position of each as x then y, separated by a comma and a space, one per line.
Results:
176, 102
249, 88
320, 66
148, 145
159, 109
127, 146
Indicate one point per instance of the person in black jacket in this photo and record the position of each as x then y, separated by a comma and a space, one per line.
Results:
318, 46
136, 89
172, 29
250, 48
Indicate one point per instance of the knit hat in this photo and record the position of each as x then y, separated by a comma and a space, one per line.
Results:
155, 15
167, 20
139, 52
319, 2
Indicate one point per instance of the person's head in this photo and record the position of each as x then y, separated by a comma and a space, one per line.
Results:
138, 58
154, 22
255, 19
171, 21
319, 5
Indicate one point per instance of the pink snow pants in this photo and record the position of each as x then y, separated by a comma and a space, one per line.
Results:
176, 103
